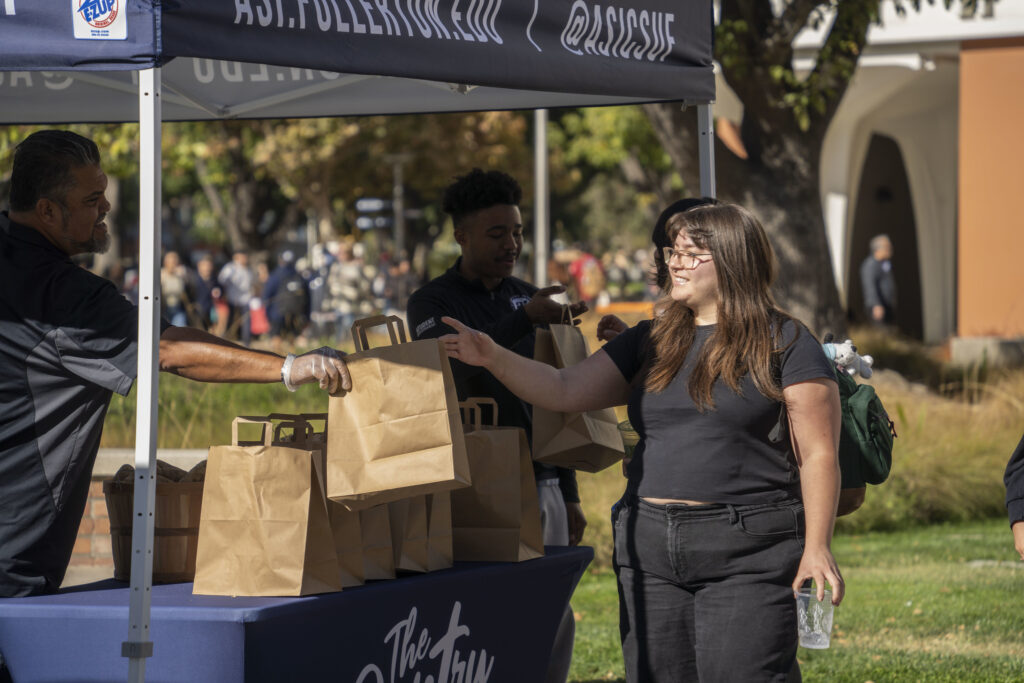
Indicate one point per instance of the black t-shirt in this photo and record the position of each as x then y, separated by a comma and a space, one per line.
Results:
67, 341
501, 315
724, 454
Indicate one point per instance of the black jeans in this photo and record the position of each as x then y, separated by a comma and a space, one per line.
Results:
705, 591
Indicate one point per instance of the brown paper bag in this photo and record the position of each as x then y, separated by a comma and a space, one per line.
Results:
587, 441
439, 531
498, 518
397, 433
409, 533
378, 552
347, 530
264, 529
346, 527
421, 532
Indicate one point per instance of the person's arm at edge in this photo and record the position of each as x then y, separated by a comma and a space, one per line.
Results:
1014, 481
592, 384
814, 421
200, 356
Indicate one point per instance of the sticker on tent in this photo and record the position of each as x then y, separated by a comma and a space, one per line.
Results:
100, 19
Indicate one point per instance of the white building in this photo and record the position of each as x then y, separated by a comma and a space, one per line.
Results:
926, 147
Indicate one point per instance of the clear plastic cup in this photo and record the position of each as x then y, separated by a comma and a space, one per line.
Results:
814, 619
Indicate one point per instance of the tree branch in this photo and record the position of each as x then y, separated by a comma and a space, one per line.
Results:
838, 57
794, 19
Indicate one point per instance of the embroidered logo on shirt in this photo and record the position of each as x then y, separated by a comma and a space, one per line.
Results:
518, 302
425, 325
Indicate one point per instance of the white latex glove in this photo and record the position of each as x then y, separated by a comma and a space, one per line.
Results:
324, 365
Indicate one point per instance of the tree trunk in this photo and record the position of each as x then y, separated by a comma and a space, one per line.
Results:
804, 284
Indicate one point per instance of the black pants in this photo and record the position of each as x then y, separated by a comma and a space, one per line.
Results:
705, 591
5, 675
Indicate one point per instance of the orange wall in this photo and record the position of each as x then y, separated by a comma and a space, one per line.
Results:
990, 293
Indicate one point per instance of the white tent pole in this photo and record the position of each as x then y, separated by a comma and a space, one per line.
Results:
541, 233
706, 142
138, 646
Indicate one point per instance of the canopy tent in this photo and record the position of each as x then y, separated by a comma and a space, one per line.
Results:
153, 60
339, 57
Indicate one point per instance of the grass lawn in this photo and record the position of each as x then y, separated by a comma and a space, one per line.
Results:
939, 603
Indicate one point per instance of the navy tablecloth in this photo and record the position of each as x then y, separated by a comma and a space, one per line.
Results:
475, 622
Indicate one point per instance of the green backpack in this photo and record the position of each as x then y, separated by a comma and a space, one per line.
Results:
866, 437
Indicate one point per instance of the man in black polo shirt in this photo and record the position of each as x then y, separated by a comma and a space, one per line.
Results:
68, 339
480, 291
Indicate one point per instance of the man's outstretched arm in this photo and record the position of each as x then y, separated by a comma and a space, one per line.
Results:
203, 357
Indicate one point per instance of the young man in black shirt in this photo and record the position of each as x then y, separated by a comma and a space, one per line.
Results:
480, 291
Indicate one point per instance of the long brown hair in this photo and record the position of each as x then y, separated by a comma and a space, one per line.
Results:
748, 332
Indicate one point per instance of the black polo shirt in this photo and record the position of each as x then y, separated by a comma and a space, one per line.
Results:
67, 341
499, 313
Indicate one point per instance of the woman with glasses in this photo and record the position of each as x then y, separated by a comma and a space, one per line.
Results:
610, 326
718, 526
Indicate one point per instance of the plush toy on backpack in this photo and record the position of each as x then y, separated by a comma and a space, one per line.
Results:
867, 433
846, 357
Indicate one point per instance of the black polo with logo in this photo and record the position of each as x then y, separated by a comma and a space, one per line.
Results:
67, 341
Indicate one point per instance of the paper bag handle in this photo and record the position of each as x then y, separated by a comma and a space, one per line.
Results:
298, 417
302, 430
472, 407
267, 428
393, 322
296, 421
566, 315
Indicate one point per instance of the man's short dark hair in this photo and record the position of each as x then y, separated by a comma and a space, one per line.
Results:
480, 190
43, 164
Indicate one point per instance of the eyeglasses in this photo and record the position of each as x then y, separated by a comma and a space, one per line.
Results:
686, 259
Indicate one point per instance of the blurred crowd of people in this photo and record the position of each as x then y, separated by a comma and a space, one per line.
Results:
292, 299
617, 275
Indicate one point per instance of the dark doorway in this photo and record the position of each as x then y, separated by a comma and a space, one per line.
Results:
884, 207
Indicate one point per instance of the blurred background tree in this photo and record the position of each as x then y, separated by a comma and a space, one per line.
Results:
251, 184
775, 169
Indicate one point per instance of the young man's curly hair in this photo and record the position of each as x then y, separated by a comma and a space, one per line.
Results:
480, 190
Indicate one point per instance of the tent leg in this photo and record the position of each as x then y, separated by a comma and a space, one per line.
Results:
706, 142
541, 234
138, 646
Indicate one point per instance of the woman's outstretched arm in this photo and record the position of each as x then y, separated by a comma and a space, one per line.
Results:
594, 383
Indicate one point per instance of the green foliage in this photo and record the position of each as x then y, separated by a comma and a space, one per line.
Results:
609, 176
604, 136
327, 164
243, 182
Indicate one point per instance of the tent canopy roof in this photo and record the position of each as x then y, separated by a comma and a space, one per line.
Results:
284, 58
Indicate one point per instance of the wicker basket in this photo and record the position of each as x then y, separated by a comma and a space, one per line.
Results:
176, 529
